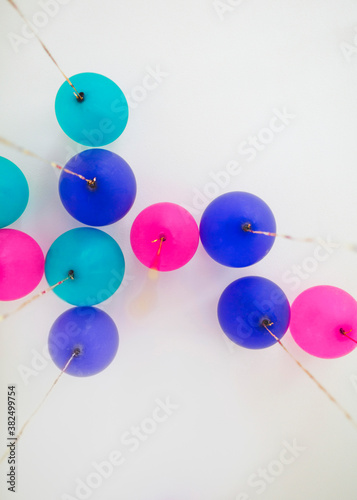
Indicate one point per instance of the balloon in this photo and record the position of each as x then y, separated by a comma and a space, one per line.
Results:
100, 117
243, 307
222, 233
88, 332
97, 263
112, 195
164, 236
14, 192
317, 316
21, 264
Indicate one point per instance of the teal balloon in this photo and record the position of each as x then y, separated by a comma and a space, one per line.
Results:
100, 117
94, 260
14, 192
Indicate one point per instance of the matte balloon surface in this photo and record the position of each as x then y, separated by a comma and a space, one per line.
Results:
112, 195
222, 233
164, 236
245, 304
100, 117
21, 264
97, 263
317, 316
90, 332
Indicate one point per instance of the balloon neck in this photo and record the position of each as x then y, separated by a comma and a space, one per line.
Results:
80, 97
247, 226
92, 184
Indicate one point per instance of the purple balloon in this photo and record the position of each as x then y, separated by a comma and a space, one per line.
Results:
88, 332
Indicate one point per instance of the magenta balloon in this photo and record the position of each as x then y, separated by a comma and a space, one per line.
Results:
21, 264
317, 316
172, 222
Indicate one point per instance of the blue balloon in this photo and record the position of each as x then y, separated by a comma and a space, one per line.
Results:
87, 332
248, 302
14, 192
92, 259
100, 117
222, 233
109, 198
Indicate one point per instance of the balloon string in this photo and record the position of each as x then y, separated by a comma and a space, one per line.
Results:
91, 183
75, 353
79, 95
247, 227
345, 334
265, 324
31, 299
155, 263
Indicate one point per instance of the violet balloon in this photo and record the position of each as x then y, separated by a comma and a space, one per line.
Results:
222, 233
243, 307
88, 332
110, 194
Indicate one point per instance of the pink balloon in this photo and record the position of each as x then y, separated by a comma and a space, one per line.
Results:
21, 264
169, 221
317, 315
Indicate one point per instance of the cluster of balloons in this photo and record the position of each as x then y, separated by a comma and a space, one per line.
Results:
164, 236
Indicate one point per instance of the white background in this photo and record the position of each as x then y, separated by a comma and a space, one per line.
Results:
225, 75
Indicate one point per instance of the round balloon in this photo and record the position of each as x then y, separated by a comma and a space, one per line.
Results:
14, 192
99, 117
222, 229
108, 198
249, 303
164, 236
93, 260
21, 264
88, 333
319, 318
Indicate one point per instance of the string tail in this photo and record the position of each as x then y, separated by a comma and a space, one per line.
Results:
31, 299
79, 95
75, 353
155, 264
247, 227
319, 385
92, 183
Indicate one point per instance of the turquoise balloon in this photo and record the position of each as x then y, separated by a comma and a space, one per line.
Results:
100, 117
92, 258
14, 192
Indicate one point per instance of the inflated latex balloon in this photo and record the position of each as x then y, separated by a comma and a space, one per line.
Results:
87, 332
97, 119
164, 236
322, 320
110, 194
21, 264
222, 229
249, 303
14, 192
92, 258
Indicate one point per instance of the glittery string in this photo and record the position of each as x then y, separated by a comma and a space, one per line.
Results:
321, 387
90, 182
31, 299
155, 264
78, 95
75, 353
248, 229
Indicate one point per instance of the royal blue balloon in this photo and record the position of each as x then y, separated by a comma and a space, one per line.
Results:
96, 261
112, 195
245, 304
100, 117
14, 192
89, 333
222, 234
